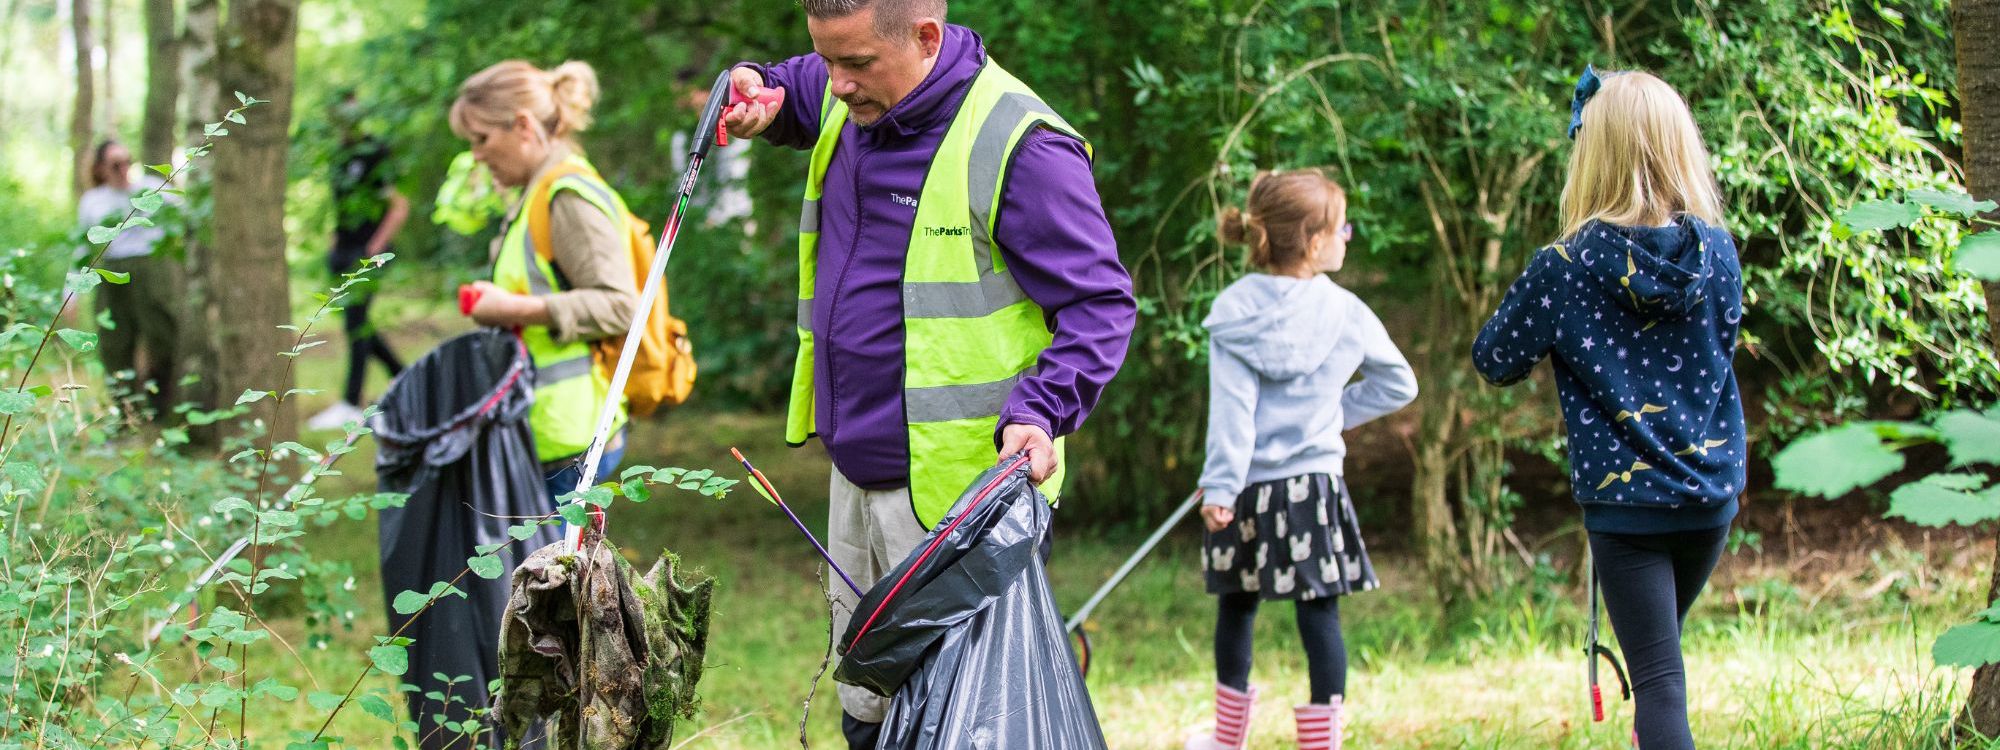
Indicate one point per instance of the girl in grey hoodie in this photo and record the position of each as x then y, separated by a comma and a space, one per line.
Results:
1283, 345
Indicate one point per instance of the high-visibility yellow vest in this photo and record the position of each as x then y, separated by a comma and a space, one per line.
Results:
969, 332
568, 388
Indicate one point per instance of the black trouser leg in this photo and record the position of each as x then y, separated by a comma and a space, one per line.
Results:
363, 344
1650, 581
1235, 628
1326, 650
861, 735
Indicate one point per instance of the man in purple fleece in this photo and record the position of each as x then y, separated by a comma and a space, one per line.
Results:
902, 75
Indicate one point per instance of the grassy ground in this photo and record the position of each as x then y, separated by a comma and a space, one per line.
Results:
1830, 650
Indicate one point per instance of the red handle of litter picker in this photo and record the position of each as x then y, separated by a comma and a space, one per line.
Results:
770, 96
468, 298
1596, 703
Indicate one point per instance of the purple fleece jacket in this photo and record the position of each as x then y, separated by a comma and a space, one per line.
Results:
1050, 229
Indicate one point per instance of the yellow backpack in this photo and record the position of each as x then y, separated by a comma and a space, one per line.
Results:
663, 370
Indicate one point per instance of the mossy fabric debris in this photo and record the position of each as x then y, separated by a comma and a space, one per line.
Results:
601, 654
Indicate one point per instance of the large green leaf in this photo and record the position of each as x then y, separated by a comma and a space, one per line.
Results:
390, 658
1957, 204
1978, 256
82, 341
378, 708
1945, 499
16, 402
1973, 437
325, 701
486, 566
409, 602
1882, 214
1974, 644
1835, 462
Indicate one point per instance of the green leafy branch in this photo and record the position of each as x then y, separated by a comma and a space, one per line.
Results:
1840, 460
1977, 255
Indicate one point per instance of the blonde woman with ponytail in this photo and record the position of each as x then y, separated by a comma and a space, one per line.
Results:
1283, 343
523, 124
1637, 307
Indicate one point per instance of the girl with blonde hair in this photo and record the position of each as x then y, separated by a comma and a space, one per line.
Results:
1637, 308
1283, 344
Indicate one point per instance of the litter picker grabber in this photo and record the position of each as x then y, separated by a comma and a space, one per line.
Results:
635, 647
1593, 649
708, 133
763, 487
1076, 621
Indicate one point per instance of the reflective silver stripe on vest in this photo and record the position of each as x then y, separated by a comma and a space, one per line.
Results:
548, 375
993, 291
575, 181
944, 403
538, 284
989, 158
806, 315
961, 299
809, 217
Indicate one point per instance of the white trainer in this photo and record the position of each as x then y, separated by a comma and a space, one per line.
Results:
334, 417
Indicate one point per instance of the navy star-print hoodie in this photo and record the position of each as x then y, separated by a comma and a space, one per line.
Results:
1640, 324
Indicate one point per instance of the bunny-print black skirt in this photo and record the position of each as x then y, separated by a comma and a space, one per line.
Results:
1292, 539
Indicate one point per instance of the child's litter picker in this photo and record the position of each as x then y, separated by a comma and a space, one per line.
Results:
1076, 621
763, 487
1593, 648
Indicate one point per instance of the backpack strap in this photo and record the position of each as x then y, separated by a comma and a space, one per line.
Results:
539, 198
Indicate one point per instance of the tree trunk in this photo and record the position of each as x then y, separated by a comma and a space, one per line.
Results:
197, 57
163, 84
198, 82
248, 254
106, 96
81, 128
1975, 26
1434, 529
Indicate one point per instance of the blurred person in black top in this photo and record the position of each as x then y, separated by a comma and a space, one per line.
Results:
368, 213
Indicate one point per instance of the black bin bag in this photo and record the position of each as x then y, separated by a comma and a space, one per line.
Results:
453, 434
964, 635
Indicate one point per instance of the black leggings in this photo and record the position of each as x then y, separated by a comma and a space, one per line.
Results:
363, 343
1319, 629
1650, 581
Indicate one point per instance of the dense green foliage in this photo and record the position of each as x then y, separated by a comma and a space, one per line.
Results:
1834, 462
1829, 121
1443, 119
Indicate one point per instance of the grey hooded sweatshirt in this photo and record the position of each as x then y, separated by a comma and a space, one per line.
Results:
1281, 351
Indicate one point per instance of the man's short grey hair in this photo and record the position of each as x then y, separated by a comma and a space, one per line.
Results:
892, 17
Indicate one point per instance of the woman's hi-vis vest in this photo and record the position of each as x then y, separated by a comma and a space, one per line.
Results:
969, 332
568, 388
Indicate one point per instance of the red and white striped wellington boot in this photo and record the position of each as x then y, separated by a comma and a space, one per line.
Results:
1232, 720
1320, 725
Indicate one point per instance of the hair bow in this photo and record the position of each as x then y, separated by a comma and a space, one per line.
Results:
1586, 87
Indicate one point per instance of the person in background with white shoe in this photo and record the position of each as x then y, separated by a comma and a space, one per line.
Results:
368, 213
1283, 344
